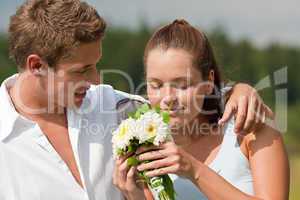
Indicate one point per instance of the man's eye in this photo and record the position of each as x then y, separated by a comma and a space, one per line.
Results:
83, 71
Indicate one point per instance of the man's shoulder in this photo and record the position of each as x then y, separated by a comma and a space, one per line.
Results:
122, 96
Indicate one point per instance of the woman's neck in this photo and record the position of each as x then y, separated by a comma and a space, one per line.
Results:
195, 131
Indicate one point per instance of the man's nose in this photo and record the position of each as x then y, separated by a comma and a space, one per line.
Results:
93, 78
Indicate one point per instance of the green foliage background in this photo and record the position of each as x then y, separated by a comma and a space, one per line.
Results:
240, 61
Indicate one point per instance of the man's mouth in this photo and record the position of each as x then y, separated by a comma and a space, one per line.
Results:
80, 95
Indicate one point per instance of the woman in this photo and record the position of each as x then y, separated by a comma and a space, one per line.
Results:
205, 160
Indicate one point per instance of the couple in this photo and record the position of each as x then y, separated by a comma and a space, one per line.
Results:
56, 120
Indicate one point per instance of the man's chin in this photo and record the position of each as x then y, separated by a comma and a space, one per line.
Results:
78, 104
74, 105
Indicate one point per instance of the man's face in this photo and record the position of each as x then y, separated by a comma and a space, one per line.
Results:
67, 85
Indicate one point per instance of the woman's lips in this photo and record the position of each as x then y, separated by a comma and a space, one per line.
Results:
175, 112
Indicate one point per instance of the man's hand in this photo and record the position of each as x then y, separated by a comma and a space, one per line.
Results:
248, 108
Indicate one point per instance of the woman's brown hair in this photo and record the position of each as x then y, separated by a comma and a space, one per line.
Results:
181, 35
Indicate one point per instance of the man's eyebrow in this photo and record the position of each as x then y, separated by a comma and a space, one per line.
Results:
87, 66
81, 68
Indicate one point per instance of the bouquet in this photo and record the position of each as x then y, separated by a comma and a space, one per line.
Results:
147, 126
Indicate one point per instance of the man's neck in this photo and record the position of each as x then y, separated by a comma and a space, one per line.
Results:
30, 104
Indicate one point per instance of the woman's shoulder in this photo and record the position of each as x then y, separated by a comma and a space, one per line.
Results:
263, 136
266, 135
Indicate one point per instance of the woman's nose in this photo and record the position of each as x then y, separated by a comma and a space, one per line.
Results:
169, 102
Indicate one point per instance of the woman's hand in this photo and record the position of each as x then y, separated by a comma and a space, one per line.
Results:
249, 109
169, 158
124, 178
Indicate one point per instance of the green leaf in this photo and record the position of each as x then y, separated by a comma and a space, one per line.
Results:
120, 152
130, 149
132, 161
134, 144
150, 141
169, 187
166, 117
168, 191
144, 108
141, 110
131, 114
137, 114
157, 109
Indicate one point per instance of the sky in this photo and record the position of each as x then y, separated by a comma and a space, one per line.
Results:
262, 21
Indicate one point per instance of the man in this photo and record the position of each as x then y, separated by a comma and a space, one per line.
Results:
55, 121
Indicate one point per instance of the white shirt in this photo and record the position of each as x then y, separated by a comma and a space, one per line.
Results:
31, 169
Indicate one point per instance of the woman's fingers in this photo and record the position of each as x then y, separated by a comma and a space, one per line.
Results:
159, 163
125, 178
116, 172
131, 179
123, 170
162, 171
125, 157
152, 155
144, 149
165, 149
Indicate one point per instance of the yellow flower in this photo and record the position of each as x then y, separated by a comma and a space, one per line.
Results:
151, 130
123, 131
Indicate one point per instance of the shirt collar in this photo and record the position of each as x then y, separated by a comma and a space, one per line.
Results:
99, 98
9, 117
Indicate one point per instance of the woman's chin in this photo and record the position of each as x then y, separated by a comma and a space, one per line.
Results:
176, 123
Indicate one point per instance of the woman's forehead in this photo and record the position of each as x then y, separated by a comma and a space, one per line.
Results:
171, 63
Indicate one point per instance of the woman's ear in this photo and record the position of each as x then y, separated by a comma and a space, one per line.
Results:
211, 81
211, 76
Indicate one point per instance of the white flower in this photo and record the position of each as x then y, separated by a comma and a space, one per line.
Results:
151, 125
126, 131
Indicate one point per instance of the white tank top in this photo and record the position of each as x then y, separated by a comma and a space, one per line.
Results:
230, 163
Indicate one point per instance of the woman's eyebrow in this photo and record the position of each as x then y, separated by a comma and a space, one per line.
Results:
177, 79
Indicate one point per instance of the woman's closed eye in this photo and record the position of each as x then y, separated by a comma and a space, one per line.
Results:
155, 84
181, 85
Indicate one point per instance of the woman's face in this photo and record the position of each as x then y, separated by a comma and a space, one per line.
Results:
175, 85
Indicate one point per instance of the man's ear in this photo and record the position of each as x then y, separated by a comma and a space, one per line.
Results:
36, 65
